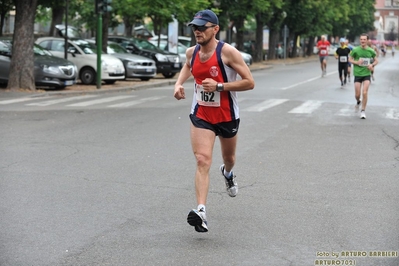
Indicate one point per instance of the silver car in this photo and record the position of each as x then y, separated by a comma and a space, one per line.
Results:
84, 55
136, 66
50, 71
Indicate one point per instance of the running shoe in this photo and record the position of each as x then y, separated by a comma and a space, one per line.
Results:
197, 218
342, 84
231, 184
363, 114
344, 81
358, 104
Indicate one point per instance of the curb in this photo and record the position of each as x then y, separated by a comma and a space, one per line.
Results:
253, 68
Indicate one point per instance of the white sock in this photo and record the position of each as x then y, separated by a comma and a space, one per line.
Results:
201, 206
227, 174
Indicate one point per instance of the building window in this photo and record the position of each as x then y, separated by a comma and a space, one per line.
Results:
391, 3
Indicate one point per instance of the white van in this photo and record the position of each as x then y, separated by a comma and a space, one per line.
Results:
84, 55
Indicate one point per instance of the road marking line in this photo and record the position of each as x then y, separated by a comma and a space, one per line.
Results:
23, 100
265, 105
50, 102
348, 111
131, 103
392, 114
307, 81
306, 108
99, 101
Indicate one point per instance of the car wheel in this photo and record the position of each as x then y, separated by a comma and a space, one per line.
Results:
109, 81
144, 79
168, 75
88, 76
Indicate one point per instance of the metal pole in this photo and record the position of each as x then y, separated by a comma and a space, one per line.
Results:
99, 47
285, 42
66, 31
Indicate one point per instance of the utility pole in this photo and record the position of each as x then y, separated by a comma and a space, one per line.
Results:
102, 6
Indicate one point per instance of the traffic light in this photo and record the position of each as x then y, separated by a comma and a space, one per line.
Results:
103, 6
107, 6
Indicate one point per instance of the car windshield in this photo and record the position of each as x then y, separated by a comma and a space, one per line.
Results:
4, 48
181, 49
38, 50
87, 48
114, 48
144, 44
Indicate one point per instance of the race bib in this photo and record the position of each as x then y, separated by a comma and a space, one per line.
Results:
323, 52
211, 99
343, 59
366, 61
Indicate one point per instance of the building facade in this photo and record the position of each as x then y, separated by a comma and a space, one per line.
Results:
386, 21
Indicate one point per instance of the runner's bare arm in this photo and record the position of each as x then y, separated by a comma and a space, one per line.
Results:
184, 74
233, 58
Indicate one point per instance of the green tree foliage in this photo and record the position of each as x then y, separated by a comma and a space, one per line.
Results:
5, 7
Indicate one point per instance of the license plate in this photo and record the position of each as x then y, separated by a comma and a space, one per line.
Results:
177, 65
148, 70
68, 82
118, 71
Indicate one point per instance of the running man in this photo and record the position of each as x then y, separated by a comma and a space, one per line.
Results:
323, 45
342, 54
361, 57
214, 110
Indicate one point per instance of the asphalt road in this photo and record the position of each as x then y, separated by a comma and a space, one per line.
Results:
109, 179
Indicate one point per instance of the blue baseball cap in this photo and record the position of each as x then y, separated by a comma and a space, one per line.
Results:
204, 16
342, 40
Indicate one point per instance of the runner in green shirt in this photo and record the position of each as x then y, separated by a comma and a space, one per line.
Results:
364, 60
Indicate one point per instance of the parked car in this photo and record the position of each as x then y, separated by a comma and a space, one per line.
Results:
136, 66
71, 31
50, 71
181, 49
84, 55
247, 58
168, 64
186, 41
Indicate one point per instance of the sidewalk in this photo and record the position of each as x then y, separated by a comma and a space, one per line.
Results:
135, 84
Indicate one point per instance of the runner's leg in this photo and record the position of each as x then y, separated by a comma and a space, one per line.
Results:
202, 142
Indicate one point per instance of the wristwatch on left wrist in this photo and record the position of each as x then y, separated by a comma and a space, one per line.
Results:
219, 87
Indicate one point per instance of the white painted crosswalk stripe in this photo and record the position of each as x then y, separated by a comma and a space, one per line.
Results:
349, 110
139, 101
248, 104
20, 100
100, 101
307, 107
62, 100
265, 105
392, 114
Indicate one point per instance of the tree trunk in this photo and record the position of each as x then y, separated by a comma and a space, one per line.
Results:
22, 62
273, 40
128, 27
258, 53
58, 14
310, 45
2, 19
239, 24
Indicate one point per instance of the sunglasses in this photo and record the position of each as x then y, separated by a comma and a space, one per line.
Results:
201, 28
